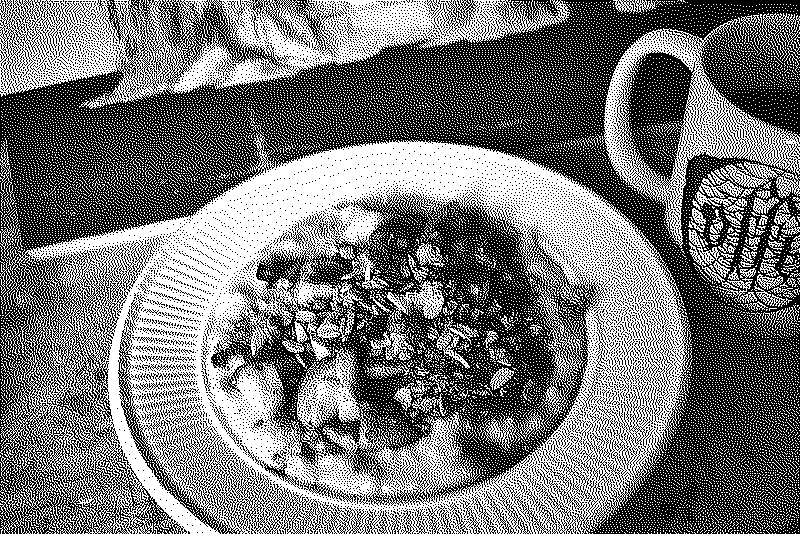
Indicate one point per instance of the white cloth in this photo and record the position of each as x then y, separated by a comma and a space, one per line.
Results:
180, 45
173, 45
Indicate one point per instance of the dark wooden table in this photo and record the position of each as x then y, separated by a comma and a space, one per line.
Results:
731, 466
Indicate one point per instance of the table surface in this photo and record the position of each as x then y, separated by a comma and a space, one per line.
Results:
729, 467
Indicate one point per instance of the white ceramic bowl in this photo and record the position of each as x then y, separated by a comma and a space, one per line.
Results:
626, 409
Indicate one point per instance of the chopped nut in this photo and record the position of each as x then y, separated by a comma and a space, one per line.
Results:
404, 397
350, 322
370, 284
378, 368
362, 266
305, 316
475, 291
536, 330
428, 300
259, 338
444, 341
420, 274
429, 255
432, 333
328, 330
340, 439
456, 332
300, 333
377, 302
345, 288
491, 337
440, 406
401, 348
480, 292
320, 352
500, 378
457, 357
350, 300
293, 346
463, 331
499, 355
425, 404
347, 252
397, 302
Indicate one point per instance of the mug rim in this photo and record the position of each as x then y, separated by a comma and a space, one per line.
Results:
725, 26
710, 42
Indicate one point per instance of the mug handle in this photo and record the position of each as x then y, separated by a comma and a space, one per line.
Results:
622, 152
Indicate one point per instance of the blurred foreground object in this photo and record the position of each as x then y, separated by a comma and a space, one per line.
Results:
180, 45
172, 45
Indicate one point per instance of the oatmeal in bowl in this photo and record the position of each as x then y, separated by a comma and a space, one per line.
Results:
399, 337
396, 348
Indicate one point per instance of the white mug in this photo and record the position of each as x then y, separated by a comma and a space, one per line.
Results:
733, 199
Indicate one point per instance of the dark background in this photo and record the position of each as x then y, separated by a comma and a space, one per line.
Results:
79, 172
